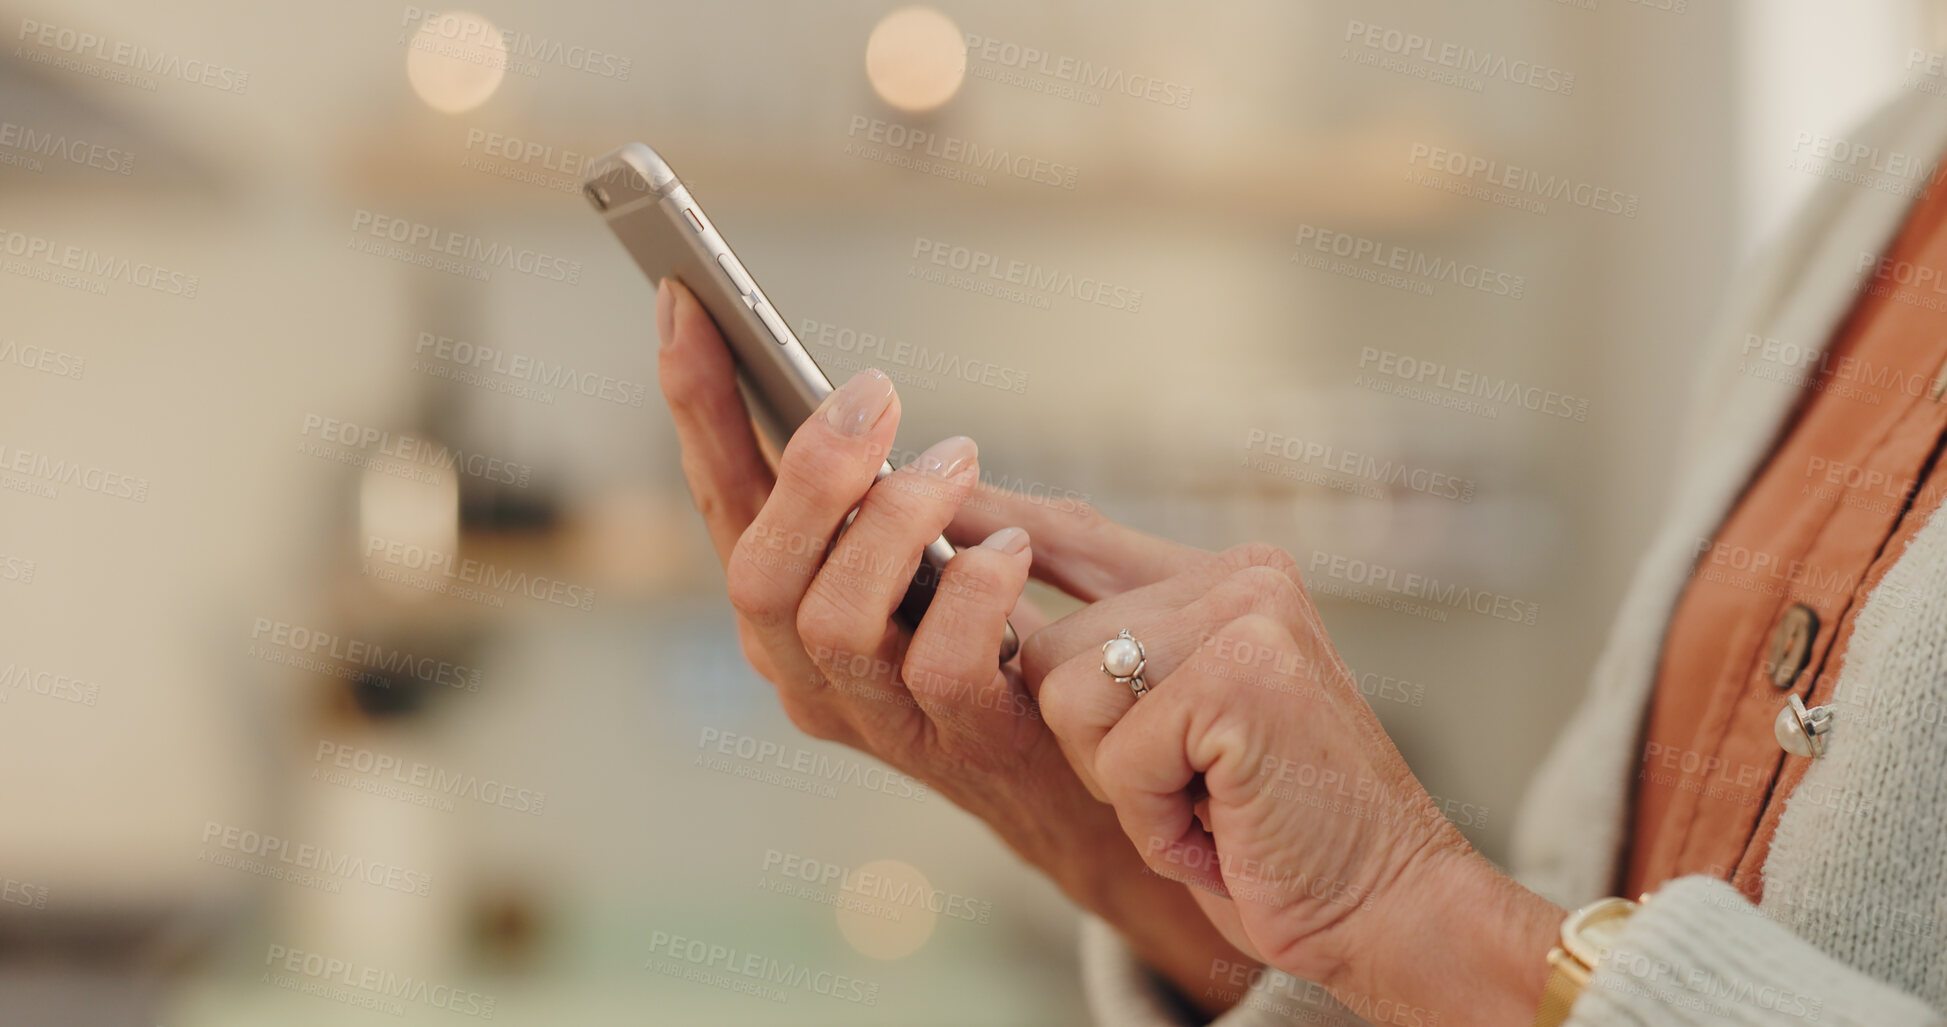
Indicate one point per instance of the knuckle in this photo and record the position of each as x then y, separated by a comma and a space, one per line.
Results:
832, 630
908, 494
754, 590
815, 719
946, 660
1262, 554
977, 584
1259, 587
1041, 652
820, 468
1257, 629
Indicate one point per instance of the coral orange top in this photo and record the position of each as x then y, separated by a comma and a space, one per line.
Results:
1772, 599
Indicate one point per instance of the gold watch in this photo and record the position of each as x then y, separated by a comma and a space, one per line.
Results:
1587, 935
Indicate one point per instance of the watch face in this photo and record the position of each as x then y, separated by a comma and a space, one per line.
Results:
1591, 931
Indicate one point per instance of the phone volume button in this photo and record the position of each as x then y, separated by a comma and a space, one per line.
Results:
779, 330
737, 276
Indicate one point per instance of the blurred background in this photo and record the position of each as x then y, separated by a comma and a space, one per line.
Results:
302, 310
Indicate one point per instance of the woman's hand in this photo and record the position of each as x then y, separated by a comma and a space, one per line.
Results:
1254, 770
815, 617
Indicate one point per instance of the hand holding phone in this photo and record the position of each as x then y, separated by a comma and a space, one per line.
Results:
663, 227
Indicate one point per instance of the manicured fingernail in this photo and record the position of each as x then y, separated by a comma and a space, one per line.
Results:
1007, 540
859, 403
665, 312
947, 457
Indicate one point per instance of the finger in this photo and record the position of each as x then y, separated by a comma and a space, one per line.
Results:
727, 475
850, 603
1145, 770
825, 470
950, 664
826, 467
1086, 629
1076, 548
1082, 704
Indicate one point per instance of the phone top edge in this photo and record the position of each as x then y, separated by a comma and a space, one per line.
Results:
627, 177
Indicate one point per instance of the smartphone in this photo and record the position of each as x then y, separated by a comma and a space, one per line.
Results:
665, 230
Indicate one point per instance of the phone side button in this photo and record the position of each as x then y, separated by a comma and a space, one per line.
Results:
737, 276
775, 323
696, 220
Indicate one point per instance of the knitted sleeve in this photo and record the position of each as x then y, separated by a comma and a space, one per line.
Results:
1701, 954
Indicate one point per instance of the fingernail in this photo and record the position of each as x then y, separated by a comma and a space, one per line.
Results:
947, 457
859, 403
1007, 540
665, 312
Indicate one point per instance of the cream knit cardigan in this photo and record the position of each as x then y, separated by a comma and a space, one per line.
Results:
1853, 927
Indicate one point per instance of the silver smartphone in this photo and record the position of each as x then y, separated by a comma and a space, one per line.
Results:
665, 230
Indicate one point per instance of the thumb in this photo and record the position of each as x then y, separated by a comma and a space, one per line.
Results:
1077, 549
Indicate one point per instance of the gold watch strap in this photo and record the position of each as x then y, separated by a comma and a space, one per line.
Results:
1566, 979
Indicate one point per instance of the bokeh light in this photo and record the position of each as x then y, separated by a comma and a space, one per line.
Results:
916, 58
890, 915
455, 61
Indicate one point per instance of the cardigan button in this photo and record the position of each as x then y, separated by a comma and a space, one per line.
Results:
1800, 731
1791, 645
